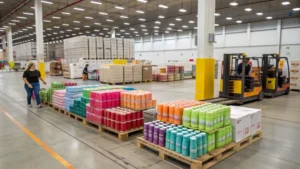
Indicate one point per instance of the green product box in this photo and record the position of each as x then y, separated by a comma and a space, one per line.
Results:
194, 118
209, 121
201, 121
186, 117
210, 142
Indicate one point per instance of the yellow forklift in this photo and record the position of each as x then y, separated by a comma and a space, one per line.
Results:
276, 80
237, 86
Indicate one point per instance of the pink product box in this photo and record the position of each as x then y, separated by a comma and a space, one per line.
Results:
105, 95
94, 118
94, 111
58, 98
104, 104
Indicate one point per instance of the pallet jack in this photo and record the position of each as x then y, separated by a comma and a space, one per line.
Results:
238, 88
275, 83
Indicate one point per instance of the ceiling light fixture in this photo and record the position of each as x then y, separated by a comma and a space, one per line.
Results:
142, 19
106, 29
78, 9
296, 9
122, 30
76, 21
145, 30
49, 29
259, 13
217, 14
172, 24
178, 19
229, 18
96, 2
179, 30
29, 27
285, 3
156, 27
109, 20
144, 1
119, 7
77, 28
97, 23
157, 22
163, 6
103, 13
96, 30
65, 24
47, 2
69, 30
161, 17
123, 16
139, 11
191, 21
216, 24
88, 17
233, 4
126, 23
269, 17
21, 17
27, 13
55, 17
46, 20
135, 32
248, 9
15, 20
132, 29
185, 26
56, 27
239, 21
169, 28
86, 26
66, 13
182, 10
143, 26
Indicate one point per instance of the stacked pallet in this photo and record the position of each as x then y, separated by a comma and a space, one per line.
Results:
137, 73
147, 73
112, 74
128, 73
295, 75
56, 69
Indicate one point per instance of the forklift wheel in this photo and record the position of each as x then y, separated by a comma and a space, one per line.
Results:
287, 92
261, 96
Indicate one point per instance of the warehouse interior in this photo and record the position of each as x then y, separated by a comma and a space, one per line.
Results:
162, 88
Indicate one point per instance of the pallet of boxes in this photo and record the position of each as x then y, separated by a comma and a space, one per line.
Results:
56, 69
200, 134
295, 75
137, 73
112, 74
147, 73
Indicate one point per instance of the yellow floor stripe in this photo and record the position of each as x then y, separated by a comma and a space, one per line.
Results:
40, 142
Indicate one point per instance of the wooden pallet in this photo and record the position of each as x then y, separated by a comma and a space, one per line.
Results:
78, 118
122, 136
121, 83
205, 161
47, 103
138, 82
62, 111
146, 81
53, 74
295, 90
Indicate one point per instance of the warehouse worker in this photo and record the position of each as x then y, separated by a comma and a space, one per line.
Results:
247, 67
85, 72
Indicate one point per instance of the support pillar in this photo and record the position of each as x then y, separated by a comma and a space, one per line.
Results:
3, 42
205, 63
39, 30
9, 44
113, 33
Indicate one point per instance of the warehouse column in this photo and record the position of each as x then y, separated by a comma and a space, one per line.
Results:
9, 45
3, 42
205, 64
113, 33
39, 36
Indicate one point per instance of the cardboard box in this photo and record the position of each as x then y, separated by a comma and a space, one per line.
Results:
147, 72
241, 122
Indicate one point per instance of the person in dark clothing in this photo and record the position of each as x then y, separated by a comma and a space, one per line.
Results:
31, 77
85, 72
247, 67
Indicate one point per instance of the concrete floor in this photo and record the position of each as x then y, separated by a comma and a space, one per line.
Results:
85, 148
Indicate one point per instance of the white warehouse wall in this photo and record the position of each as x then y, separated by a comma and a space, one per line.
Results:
254, 39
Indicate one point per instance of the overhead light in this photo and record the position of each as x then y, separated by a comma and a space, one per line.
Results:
163, 6
106, 29
29, 27
78, 9
55, 17
172, 24
118, 34
88, 17
156, 27
49, 29
69, 30
49, 34
145, 30
132, 29
229, 18
47, 2
182, 10
15, 20
217, 24
21, 17
156, 34
76, 21
1, 2
157, 22
61, 32
259, 13
167, 32
233, 4
27, 13
239, 21
56, 27
119, 7
24, 29
109, 20
142, 19
80, 33
86, 26
96, 2
185, 26
77, 28
139, 11
54, 33
197, 28
285, 3
217, 14
144, 1
126, 33
161, 17
135, 32
123, 16
143, 26
169, 28
126, 23
156, 31
46, 20
101, 33
178, 19
248, 9
96, 30
122, 30
66, 13
137, 35
191, 21
269, 17
103, 13
65, 24
97, 23
179, 30
146, 33
296, 9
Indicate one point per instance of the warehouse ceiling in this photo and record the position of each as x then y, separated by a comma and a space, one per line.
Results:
131, 18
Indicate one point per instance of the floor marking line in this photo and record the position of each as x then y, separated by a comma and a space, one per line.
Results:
39, 142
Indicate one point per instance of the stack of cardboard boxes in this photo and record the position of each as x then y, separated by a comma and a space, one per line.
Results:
295, 74
100, 49
245, 122
137, 73
92, 47
120, 52
147, 72
113, 46
126, 43
56, 69
128, 73
112, 74
107, 48
131, 49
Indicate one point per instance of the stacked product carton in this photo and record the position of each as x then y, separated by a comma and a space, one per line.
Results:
126, 43
131, 49
56, 69
112, 74
137, 73
245, 122
147, 72
76, 47
107, 48
100, 51
92, 48
128, 73
113, 46
295, 74
120, 52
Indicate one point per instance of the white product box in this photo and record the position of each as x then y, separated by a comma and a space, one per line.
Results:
241, 122
100, 51
107, 48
